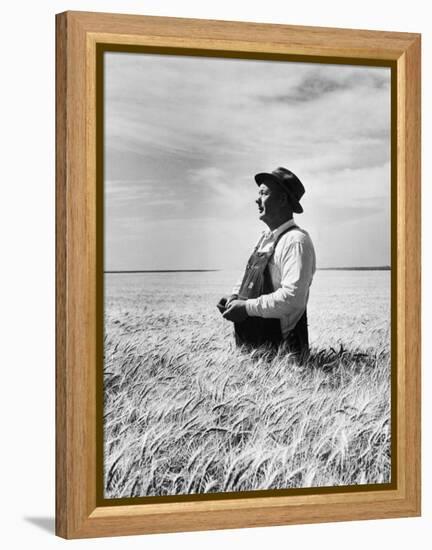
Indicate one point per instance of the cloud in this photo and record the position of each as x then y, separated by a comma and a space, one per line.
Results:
318, 83
311, 88
219, 185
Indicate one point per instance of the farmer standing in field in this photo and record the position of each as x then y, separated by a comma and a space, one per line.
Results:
268, 305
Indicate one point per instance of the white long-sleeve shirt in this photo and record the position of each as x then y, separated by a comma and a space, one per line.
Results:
291, 268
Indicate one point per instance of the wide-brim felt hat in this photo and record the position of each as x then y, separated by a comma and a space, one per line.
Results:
288, 181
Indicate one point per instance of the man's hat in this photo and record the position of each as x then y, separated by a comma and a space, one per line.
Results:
288, 181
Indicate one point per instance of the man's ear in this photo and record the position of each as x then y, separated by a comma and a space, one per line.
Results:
284, 199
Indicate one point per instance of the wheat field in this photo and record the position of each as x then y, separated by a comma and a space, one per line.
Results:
186, 411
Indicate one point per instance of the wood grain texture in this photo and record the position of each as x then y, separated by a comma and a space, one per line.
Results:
78, 34
76, 286
412, 260
247, 36
61, 252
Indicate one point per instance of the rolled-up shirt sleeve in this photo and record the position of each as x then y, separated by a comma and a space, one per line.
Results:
297, 269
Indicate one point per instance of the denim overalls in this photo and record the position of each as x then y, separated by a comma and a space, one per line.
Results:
258, 330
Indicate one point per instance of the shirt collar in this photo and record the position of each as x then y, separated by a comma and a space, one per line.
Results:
276, 232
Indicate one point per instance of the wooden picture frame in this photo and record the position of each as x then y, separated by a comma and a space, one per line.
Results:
80, 36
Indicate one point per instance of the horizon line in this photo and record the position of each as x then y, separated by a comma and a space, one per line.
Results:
344, 268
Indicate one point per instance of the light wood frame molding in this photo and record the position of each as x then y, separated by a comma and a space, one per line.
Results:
78, 514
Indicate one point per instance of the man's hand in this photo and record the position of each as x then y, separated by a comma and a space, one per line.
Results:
221, 305
225, 301
236, 311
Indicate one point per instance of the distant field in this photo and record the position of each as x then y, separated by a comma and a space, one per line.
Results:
187, 412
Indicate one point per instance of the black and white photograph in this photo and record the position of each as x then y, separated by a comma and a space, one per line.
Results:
247, 232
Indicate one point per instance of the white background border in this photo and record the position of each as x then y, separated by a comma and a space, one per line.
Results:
27, 114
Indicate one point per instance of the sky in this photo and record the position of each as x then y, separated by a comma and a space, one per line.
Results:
184, 137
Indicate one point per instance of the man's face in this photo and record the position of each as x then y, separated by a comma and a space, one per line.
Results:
270, 201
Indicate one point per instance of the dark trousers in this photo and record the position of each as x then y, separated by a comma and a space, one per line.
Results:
257, 331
